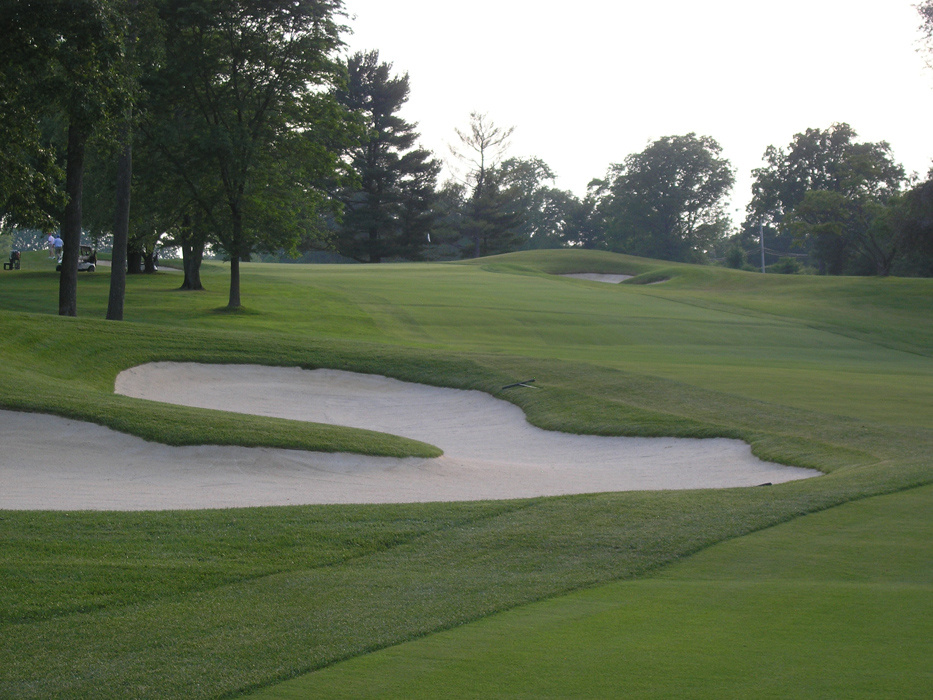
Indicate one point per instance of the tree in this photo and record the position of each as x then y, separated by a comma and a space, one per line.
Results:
67, 56
31, 179
177, 190
246, 93
544, 209
925, 9
488, 221
387, 212
829, 191
735, 257
418, 214
140, 19
584, 225
667, 201
447, 241
911, 217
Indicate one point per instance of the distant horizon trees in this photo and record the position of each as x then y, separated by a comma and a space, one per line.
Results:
831, 198
252, 133
668, 201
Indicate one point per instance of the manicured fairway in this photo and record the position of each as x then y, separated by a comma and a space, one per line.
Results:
835, 604
791, 590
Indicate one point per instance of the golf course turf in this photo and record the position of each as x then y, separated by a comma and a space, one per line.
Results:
772, 591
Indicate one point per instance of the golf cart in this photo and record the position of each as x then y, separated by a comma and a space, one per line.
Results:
87, 260
14, 261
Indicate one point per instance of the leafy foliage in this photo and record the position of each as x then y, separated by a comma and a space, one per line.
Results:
245, 96
62, 60
667, 201
490, 221
925, 9
830, 193
911, 218
547, 211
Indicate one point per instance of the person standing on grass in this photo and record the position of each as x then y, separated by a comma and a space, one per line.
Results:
58, 244
51, 242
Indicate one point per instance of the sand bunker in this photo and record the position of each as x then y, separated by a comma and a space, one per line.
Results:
491, 452
599, 277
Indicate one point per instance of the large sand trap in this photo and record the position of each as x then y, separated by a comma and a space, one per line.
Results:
491, 452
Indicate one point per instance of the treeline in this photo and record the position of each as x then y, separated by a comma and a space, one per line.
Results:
238, 127
840, 206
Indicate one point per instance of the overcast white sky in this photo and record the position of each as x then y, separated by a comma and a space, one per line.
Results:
587, 82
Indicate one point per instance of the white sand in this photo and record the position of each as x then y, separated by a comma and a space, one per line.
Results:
491, 452
598, 277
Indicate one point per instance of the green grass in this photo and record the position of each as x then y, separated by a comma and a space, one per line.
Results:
845, 596
828, 373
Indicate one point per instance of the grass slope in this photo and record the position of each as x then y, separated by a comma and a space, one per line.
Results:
833, 374
835, 604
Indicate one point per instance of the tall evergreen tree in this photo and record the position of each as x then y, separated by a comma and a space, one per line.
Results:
387, 213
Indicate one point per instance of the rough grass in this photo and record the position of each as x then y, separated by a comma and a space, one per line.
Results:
214, 603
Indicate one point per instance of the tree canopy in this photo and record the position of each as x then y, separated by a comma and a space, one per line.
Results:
61, 60
489, 221
829, 191
242, 128
667, 202
925, 9
245, 95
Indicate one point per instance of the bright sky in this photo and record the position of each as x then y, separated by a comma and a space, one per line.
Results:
588, 82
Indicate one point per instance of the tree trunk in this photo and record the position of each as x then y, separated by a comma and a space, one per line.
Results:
475, 209
71, 222
191, 255
234, 251
134, 261
234, 282
374, 256
192, 252
121, 228
149, 263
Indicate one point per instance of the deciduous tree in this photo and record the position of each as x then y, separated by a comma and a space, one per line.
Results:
911, 217
667, 202
246, 93
545, 209
489, 220
65, 58
829, 191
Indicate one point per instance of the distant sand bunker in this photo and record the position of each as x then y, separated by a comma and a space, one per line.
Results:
599, 277
490, 450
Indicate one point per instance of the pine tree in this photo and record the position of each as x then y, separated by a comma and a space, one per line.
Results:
388, 213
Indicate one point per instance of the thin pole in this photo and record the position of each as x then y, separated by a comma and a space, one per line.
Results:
761, 237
